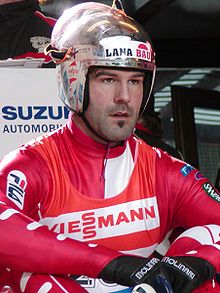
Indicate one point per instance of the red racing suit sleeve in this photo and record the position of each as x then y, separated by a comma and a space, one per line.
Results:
25, 244
189, 200
32, 247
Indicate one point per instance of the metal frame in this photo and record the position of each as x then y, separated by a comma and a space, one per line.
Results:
184, 99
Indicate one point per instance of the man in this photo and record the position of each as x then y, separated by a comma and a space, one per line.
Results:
25, 31
107, 198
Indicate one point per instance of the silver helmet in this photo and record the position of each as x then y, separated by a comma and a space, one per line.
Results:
95, 34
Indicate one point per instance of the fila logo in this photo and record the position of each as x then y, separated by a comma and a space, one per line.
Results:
120, 219
16, 184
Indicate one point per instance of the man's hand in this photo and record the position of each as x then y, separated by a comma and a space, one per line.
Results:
120, 269
183, 273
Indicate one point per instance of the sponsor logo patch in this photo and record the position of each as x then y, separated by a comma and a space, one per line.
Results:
172, 262
16, 184
117, 220
186, 169
210, 190
139, 275
199, 176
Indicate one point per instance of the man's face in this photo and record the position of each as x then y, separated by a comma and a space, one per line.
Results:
115, 98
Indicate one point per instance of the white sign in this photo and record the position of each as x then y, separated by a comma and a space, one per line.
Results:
29, 105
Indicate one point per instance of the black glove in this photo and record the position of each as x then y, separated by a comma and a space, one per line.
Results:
183, 273
119, 270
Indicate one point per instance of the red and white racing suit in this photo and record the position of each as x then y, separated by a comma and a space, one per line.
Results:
98, 202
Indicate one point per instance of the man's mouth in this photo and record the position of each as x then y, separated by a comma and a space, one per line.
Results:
120, 114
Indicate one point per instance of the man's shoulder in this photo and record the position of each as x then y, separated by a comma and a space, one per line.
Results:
45, 139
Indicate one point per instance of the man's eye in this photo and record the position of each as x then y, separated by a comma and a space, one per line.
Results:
108, 80
135, 81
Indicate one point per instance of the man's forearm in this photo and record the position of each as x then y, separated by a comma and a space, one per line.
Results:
31, 247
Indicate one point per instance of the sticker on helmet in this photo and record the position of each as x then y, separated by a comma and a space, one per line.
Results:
123, 47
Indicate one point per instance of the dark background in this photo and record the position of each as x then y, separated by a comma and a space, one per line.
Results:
185, 33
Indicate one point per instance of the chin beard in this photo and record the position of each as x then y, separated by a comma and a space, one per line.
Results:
121, 124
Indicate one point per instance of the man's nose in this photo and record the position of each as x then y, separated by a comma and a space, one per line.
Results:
122, 93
